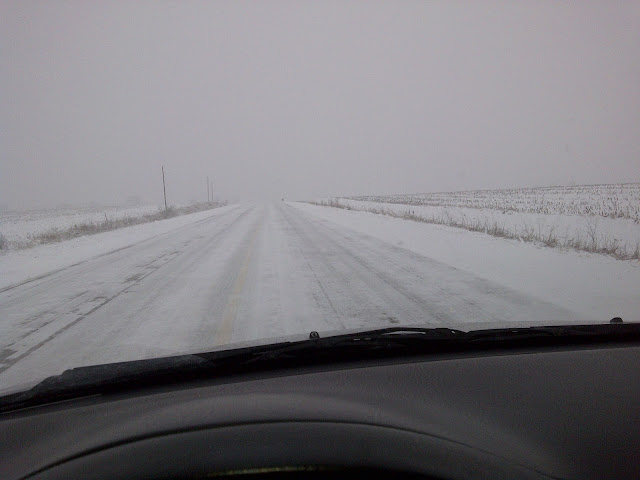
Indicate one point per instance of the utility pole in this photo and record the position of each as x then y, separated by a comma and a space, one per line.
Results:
211, 190
208, 189
164, 189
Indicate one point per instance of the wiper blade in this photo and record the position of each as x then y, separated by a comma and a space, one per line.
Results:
99, 379
84, 381
611, 331
360, 343
406, 332
419, 340
407, 341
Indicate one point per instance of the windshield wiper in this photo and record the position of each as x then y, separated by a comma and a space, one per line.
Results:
360, 346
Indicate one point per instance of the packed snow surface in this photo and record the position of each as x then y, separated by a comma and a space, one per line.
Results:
251, 272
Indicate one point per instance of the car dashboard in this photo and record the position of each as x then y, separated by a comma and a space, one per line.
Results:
539, 413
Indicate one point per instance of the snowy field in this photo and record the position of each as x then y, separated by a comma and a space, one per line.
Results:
611, 201
19, 227
596, 218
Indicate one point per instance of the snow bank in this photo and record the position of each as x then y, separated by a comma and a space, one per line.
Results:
17, 266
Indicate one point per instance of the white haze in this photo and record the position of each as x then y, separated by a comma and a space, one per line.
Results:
303, 99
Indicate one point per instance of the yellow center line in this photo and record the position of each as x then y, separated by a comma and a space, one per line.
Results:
223, 334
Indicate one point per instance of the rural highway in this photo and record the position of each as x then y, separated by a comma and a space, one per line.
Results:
255, 271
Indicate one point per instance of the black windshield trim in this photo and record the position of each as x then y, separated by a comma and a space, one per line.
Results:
379, 344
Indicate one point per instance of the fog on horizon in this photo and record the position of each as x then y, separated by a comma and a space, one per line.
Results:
302, 99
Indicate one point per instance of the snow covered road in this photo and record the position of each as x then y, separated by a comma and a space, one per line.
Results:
245, 273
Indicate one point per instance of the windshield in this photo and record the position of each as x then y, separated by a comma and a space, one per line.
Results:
188, 176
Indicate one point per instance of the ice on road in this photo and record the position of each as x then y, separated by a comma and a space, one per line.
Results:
246, 273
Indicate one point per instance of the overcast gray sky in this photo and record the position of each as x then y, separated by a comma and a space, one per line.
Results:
304, 99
